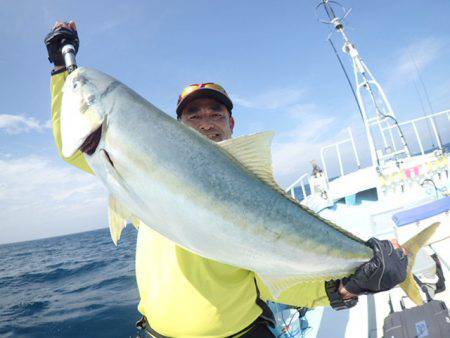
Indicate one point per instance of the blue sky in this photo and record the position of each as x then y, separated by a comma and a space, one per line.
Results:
271, 56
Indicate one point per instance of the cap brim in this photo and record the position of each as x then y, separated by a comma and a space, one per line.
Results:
205, 93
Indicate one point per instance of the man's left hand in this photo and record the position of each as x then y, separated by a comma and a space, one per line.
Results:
62, 33
385, 270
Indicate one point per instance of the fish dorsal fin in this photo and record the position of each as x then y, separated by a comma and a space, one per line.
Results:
254, 153
119, 216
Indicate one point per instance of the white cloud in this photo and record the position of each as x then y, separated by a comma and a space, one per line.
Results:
310, 129
292, 157
274, 98
302, 110
420, 54
440, 96
40, 198
17, 124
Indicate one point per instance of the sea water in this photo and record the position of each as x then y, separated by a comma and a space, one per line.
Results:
78, 285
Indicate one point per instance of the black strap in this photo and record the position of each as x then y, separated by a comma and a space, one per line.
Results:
267, 313
266, 317
260, 329
440, 285
424, 288
142, 324
61, 70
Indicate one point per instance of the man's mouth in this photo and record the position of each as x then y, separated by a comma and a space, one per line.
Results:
214, 136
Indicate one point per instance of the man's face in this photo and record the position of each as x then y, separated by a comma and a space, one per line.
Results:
209, 117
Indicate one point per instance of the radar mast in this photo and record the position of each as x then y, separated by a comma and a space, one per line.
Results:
376, 111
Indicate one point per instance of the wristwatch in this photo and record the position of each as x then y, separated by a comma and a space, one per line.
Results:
336, 300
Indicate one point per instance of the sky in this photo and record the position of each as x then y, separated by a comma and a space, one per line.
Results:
271, 56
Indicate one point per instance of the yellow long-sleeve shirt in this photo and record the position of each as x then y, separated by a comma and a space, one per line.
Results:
183, 294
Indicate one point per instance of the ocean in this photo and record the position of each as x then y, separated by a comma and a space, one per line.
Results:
78, 285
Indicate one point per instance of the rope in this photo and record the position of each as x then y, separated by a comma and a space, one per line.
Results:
348, 79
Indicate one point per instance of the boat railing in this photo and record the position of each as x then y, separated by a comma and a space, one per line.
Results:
303, 180
337, 147
300, 181
429, 119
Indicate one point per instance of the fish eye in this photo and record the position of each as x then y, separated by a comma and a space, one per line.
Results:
78, 81
91, 99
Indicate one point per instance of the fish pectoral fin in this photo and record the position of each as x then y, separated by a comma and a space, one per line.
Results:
119, 217
412, 247
254, 153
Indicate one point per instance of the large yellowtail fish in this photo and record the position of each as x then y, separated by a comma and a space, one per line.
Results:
217, 200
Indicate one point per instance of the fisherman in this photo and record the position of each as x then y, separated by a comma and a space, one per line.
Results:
316, 170
185, 295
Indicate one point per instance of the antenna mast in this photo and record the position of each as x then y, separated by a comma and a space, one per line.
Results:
380, 114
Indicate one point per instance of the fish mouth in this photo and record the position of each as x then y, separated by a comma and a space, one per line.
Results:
90, 145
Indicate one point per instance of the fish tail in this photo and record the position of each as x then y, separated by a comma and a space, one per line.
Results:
412, 246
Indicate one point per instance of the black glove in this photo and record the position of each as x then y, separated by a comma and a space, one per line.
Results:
385, 270
55, 41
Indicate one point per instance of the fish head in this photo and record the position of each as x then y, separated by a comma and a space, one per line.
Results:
83, 109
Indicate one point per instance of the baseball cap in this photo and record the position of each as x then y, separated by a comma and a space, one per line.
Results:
198, 90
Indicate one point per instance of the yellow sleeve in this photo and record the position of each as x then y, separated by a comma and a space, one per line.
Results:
310, 294
76, 159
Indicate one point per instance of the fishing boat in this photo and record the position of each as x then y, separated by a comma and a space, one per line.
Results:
402, 190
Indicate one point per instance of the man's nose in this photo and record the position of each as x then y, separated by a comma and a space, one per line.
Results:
205, 125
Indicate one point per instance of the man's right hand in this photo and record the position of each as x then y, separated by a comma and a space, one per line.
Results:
61, 34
